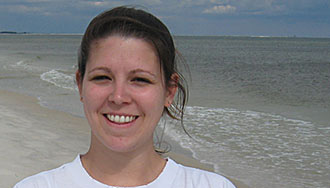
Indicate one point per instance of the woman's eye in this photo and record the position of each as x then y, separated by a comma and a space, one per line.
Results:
142, 80
99, 78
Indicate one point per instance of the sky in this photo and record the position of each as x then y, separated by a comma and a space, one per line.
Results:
301, 18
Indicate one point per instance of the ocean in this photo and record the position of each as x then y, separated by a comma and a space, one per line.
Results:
258, 107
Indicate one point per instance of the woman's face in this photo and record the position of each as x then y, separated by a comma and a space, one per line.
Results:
123, 92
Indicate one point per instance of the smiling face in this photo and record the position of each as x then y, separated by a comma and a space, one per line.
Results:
123, 93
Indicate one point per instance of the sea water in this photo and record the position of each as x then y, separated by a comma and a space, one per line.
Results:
258, 109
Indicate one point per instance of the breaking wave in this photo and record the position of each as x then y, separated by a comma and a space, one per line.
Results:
60, 79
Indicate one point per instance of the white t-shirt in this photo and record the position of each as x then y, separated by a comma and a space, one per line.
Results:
74, 175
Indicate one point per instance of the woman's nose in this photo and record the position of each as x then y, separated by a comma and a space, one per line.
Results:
119, 94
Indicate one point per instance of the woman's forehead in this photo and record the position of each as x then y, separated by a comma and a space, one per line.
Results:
131, 53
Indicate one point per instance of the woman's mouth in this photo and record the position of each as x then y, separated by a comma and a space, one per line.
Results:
120, 118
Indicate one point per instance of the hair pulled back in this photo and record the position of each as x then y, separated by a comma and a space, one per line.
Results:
132, 22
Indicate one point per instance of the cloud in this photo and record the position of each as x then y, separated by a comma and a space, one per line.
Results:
220, 9
153, 2
37, 1
23, 9
73, 15
97, 3
102, 3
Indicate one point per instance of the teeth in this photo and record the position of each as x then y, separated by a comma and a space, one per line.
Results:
120, 119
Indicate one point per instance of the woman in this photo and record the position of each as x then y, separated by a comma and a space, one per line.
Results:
127, 80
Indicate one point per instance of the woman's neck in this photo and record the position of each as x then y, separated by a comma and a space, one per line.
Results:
124, 169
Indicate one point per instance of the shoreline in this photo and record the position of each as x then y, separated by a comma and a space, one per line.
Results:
28, 146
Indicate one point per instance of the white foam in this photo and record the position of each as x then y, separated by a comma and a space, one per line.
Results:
254, 141
23, 64
19, 63
26, 65
59, 79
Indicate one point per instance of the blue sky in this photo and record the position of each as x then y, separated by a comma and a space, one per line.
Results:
305, 18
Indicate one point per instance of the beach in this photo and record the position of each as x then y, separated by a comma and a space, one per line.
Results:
36, 139
258, 108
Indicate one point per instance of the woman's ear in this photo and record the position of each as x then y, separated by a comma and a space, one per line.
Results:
79, 84
171, 89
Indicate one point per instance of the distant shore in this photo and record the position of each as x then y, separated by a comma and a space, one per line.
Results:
13, 32
226, 36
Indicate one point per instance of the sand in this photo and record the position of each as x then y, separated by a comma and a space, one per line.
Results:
34, 139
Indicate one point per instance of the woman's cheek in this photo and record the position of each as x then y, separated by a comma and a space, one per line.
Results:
95, 95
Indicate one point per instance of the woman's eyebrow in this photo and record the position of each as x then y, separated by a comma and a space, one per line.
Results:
143, 71
100, 69
107, 70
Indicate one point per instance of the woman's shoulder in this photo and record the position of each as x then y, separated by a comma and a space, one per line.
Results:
199, 178
45, 179
40, 180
